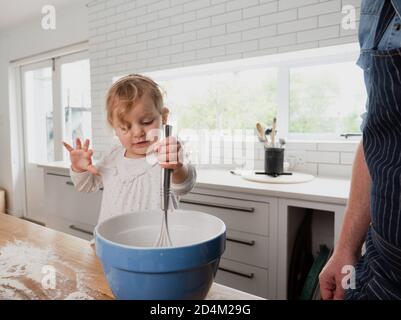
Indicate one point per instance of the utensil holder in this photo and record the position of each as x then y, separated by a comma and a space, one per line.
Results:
274, 160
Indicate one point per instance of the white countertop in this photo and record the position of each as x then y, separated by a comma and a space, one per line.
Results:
328, 190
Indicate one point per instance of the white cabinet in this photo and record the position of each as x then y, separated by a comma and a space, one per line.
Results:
260, 234
246, 263
68, 210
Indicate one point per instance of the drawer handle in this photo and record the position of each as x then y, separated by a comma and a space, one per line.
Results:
221, 206
70, 183
73, 227
246, 275
246, 242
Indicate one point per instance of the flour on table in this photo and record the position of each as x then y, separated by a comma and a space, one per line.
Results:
22, 271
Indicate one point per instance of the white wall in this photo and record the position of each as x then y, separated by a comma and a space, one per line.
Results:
144, 35
25, 40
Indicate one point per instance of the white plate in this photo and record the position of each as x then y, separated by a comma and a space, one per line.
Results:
285, 179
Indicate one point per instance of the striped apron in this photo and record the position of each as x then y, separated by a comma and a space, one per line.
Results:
378, 272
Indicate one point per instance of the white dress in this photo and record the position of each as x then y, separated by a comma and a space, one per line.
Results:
130, 185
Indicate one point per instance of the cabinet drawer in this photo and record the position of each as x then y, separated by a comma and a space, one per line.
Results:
247, 248
243, 277
241, 215
62, 200
76, 229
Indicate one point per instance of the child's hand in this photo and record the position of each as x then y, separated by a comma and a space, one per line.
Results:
170, 154
81, 157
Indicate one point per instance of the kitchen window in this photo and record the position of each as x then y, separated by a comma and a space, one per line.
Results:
316, 94
326, 99
222, 101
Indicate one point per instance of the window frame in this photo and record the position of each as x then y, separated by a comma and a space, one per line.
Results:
283, 62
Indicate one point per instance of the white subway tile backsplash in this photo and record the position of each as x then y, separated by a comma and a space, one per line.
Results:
323, 157
241, 4
257, 10
309, 168
196, 5
158, 24
226, 39
301, 46
287, 4
259, 33
183, 37
211, 52
330, 19
279, 17
318, 34
278, 41
336, 41
171, 30
347, 158
170, 50
227, 17
197, 24
197, 44
242, 46
298, 25
211, 11
295, 145
182, 18
243, 25
338, 146
319, 9
334, 170
159, 43
211, 32
159, 5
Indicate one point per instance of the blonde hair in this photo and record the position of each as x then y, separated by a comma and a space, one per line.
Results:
125, 93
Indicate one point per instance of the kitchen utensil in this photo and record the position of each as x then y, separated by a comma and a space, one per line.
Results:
267, 135
273, 133
282, 142
274, 161
136, 270
167, 196
260, 132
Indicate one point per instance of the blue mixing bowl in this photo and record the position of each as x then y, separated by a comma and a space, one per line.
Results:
135, 269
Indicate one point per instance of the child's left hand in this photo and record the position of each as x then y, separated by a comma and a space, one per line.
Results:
170, 154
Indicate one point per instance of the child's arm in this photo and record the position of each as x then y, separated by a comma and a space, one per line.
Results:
84, 174
86, 181
171, 156
188, 183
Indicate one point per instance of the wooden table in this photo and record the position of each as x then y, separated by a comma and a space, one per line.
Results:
40, 263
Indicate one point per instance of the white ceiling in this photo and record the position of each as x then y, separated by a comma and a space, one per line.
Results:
15, 12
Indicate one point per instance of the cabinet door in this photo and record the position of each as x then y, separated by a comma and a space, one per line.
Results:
237, 214
76, 229
247, 248
63, 201
243, 277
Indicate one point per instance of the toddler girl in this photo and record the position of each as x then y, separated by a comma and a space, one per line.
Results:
130, 171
